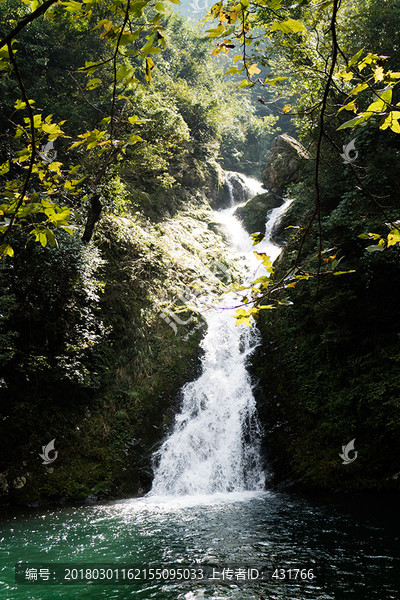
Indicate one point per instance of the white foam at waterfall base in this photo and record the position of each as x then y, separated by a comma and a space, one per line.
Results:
214, 447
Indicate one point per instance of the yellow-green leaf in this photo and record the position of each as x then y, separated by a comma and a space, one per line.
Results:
254, 70
93, 83
344, 272
148, 69
350, 106
288, 26
217, 31
392, 121
6, 250
5, 167
393, 237
359, 88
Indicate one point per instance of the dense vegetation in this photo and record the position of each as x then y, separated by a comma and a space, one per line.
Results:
87, 355
330, 362
104, 235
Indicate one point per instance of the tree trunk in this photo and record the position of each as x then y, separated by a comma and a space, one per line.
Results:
92, 218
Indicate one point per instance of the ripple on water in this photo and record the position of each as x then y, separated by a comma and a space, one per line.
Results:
351, 560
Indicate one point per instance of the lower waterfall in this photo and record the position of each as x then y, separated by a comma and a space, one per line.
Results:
215, 443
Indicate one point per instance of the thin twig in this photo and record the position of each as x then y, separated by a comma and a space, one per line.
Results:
33, 140
115, 69
83, 94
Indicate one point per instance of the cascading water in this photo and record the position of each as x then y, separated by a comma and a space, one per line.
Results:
215, 443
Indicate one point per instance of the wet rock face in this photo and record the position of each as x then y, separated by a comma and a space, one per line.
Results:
223, 198
234, 186
284, 163
253, 213
238, 187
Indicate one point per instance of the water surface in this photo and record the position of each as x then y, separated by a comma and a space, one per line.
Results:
353, 550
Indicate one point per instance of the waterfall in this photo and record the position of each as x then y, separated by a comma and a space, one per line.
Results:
215, 442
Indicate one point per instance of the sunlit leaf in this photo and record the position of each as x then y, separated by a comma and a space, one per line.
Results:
393, 237
257, 238
6, 250
288, 26
254, 70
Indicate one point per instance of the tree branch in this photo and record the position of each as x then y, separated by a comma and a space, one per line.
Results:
33, 141
28, 19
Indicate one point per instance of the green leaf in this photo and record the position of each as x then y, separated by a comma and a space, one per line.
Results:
232, 71
149, 48
285, 302
135, 120
386, 94
274, 81
376, 107
217, 31
245, 83
243, 321
5, 167
124, 71
376, 248
288, 26
371, 236
134, 139
128, 38
6, 250
266, 261
40, 236
90, 67
257, 238
32, 3
393, 237
37, 120
359, 88
392, 121
19, 105
72, 6
148, 69
254, 70
352, 123
344, 272
55, 167
52, 130
50, 237
355, 58
93, 83
350, 106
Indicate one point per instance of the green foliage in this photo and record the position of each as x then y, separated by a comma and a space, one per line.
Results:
123, 48
329, 369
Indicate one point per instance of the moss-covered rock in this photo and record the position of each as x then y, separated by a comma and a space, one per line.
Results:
255, 211
132, 352
285, 161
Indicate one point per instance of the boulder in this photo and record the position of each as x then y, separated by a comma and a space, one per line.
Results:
284, 162
235, 188
254, 212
